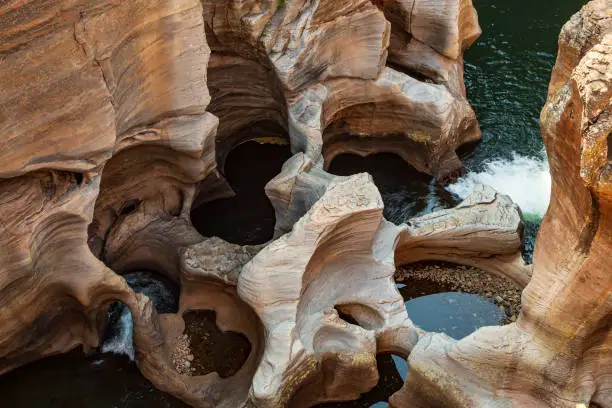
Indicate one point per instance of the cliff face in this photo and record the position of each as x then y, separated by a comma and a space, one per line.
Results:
109, 134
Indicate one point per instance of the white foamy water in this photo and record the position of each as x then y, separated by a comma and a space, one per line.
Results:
526, 180
121, 340
119, 336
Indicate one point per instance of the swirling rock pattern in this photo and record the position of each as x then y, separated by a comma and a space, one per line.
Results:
109, 135
320, 69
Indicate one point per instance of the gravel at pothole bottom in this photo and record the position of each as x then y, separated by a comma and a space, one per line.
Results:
203, 348
460, 278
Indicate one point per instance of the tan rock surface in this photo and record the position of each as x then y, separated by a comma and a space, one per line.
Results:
484, 231
297, 283
108, 137
81, 83
319, 69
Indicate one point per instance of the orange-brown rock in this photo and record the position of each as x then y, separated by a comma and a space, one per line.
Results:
320, 70
105, 135
109, 135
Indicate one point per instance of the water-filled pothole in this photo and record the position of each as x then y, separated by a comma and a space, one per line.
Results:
405, 191
247, 218
426, 278
457, 314
436, 299
204, 348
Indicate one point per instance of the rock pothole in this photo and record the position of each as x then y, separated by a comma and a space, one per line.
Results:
421, 278
203, 348
247, 218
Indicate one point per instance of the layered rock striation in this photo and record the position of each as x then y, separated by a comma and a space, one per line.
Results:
110, 136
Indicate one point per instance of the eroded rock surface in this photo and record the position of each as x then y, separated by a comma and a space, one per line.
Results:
321, 70
105, 135
109, 135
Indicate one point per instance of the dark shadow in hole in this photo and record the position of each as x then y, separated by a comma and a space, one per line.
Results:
609, 147
368, 318
78, 178
346, 317
248, 218
214, 350
129, 207
419, 76
467, 150
74, 380
405, 191
389, 382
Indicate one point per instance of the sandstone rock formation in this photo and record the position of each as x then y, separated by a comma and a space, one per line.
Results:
320, 70
484, 231
288, 298
105, 136
559, 353
109, 135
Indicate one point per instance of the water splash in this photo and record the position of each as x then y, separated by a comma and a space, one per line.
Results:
525, 179
118, 337
119, 340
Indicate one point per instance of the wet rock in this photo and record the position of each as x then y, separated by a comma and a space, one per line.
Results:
561, 342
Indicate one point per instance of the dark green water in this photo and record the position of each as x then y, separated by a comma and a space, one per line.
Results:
248, 218
507, 74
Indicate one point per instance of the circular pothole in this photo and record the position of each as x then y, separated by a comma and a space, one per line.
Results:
247, 218
203, 348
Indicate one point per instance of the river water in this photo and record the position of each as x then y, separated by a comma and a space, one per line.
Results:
506, 72
506, 75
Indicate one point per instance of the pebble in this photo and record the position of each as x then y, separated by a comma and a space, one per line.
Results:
182, 356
